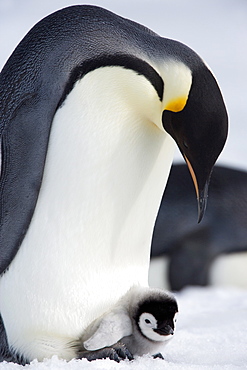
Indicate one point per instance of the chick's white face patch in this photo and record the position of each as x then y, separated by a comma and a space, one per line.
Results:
147, 323
147, 320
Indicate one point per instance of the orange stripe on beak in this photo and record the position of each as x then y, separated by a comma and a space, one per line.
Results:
193, 176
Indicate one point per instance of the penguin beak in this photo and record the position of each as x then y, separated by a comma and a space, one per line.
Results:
201, 194
200, 130
164, 330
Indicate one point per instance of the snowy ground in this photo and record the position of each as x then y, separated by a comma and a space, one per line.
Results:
211, 331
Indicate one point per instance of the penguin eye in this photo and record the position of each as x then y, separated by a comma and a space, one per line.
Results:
185, 144
147, 321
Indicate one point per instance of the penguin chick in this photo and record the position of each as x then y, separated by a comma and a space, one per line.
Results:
140, 323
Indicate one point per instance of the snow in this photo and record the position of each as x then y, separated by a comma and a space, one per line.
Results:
211, 329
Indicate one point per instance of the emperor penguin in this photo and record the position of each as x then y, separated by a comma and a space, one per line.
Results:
141, 322
91, 107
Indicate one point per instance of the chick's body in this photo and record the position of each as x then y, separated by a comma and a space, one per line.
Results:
142, 321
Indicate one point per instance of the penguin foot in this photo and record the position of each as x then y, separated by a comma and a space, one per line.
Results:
117, 353
158, 355
123, 352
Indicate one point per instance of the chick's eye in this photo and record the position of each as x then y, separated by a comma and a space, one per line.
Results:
147, 321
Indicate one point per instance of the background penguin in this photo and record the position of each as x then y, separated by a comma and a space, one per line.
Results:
193, 248
142, 321
90, 106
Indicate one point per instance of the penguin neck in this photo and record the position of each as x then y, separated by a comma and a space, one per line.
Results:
90, 236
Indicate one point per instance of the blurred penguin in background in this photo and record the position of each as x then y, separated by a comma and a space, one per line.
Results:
191, 248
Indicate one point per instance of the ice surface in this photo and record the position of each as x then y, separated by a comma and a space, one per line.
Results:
211, 331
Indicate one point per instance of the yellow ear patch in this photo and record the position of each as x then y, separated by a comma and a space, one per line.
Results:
176, 105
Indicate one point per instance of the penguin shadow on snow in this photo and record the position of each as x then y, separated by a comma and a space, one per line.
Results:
191, 247
141, 322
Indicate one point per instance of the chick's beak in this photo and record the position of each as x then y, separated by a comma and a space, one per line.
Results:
165, 330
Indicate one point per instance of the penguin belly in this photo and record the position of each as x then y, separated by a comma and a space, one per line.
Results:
90, 235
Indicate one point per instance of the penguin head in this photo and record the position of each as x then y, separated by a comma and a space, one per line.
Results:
156, 318
199, 124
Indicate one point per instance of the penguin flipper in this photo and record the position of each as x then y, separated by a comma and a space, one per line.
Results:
29, 97
113, 327
23, 151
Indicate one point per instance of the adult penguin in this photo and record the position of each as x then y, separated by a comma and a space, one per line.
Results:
91, 104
